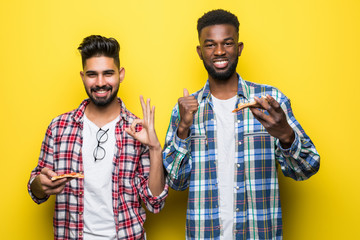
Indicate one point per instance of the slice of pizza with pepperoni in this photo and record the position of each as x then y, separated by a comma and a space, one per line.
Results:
68, 175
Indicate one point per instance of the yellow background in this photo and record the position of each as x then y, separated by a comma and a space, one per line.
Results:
309, 49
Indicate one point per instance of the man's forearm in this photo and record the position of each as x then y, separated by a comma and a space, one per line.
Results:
156, 176
36, 188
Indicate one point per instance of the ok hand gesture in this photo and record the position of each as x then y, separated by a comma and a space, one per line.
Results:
147, 135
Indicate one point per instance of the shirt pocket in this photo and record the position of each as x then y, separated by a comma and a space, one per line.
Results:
256, 134
198, 151
258, 141
259, 154
198, 144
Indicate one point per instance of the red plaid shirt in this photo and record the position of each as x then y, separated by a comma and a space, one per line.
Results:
61, 152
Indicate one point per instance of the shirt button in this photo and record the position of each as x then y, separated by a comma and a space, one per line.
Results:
239, 143
238, 165
237, 188
80, 213
80, 233
238, 121
80, 193
237, 209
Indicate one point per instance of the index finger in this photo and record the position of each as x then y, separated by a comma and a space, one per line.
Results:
48, 172
273, 102
143, 106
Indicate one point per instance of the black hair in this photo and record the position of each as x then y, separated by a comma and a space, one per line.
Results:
215, 17
96, 45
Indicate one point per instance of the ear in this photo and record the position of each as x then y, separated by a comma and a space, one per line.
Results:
121, 74
198, 49
82, 75
240, 48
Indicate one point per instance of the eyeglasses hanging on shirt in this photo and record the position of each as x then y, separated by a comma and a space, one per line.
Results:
99, 151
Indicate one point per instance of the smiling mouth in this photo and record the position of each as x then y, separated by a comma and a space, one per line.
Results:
221, 63
101, 92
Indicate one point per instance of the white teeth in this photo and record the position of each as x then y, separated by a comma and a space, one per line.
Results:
101, 91
220, 62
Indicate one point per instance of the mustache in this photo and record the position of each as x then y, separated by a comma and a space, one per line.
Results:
105, 88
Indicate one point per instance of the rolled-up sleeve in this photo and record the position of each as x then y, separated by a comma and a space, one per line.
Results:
301, 160
176, 155
45, 160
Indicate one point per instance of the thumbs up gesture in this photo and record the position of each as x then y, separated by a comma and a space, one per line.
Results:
188, 106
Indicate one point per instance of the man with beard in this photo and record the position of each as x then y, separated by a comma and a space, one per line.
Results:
118, 154
229, 160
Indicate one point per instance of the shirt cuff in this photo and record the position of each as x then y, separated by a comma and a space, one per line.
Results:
181, 145
154, 200
293, 150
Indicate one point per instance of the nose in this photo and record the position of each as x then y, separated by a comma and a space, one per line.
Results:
100, 81
219, 50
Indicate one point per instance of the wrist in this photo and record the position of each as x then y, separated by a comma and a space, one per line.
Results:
155, 148
36, 188
288, 139
183, 131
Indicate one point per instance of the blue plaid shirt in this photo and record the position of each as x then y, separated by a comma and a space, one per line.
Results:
192, 163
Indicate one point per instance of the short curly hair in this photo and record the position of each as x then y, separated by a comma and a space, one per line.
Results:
218, 16
96, 45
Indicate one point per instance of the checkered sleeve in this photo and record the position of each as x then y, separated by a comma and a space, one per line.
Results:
176, 155
45, 160
301, 160
153, 203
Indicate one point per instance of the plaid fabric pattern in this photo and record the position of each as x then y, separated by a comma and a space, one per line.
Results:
192, 163
61, 152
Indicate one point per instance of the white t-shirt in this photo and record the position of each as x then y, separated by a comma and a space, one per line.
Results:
225, 125
99, 223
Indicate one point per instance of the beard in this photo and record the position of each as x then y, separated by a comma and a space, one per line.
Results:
221, 75
103, 101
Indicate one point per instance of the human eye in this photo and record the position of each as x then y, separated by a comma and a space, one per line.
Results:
229, 43
209, 44
108, 74
91, 74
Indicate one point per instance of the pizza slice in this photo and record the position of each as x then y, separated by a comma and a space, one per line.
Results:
68, 175
250, 104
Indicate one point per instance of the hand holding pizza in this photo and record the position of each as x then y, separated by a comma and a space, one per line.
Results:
275, 123
43, 185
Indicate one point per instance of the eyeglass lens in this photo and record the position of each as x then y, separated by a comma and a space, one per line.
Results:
101, 137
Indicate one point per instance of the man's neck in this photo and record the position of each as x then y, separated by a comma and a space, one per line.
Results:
224, 89
103, 115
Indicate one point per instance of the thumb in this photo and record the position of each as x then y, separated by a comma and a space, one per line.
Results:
186, 92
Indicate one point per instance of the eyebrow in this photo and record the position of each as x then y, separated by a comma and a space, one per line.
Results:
212, 40
109, 71
90, 72
95, 72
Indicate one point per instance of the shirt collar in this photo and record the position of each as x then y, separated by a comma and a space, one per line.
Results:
243, 89
78, 115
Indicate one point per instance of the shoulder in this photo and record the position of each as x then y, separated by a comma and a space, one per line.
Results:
256, 89
62, 121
